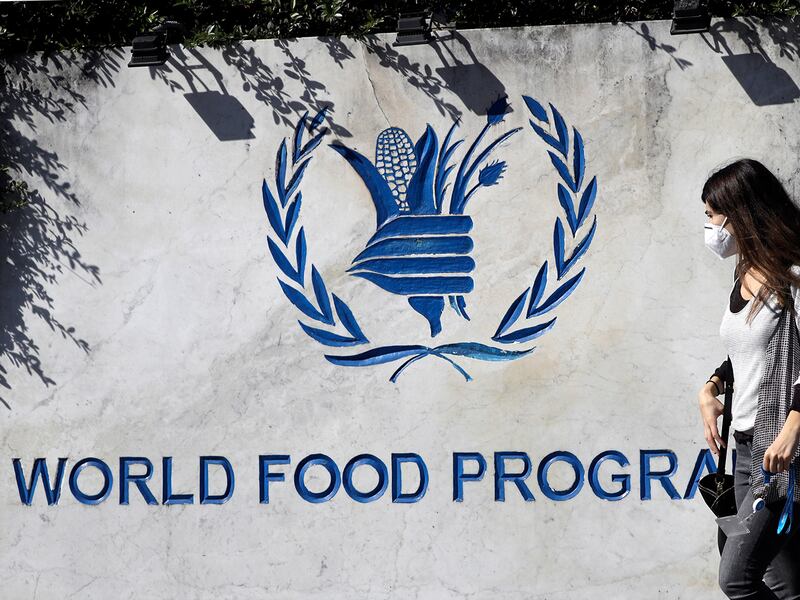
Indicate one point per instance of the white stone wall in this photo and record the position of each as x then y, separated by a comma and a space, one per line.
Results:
142, 316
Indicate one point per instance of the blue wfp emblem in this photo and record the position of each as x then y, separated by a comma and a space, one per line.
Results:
421, 245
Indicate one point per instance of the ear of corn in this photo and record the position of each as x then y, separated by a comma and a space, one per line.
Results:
417, 250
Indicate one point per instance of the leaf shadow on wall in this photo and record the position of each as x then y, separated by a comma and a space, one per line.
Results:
337, 50
644, 32
419, 76
189, 71
39, 244
459, 72
271, 84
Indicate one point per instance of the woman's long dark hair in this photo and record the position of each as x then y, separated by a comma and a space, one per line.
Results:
765, 224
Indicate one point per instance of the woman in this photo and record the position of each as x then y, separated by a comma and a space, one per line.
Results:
751, 215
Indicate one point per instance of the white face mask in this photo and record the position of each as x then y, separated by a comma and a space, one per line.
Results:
719, 240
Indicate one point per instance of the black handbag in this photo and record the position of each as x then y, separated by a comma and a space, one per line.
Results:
717, 488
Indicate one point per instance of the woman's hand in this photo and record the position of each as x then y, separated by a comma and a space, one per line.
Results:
779, 455
710, 409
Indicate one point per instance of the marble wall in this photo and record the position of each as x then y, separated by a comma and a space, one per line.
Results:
142, 314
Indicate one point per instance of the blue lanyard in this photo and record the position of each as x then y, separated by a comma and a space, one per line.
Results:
785, 522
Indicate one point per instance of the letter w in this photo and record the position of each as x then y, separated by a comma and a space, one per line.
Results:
39, 470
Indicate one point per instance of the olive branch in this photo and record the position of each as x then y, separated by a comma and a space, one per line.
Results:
567, 192
283, 220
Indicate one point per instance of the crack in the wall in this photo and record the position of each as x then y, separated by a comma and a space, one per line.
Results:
372, 85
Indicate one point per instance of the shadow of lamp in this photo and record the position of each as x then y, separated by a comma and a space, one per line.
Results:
764, 82
470, 80
222, 113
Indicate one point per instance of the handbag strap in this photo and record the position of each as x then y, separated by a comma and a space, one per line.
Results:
727, 377
726, 418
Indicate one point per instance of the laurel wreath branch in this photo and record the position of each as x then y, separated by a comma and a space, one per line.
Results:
567, 193
283, 216
283, 219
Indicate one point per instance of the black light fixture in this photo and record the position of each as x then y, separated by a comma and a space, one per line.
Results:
417, 27
690, 16
413, 28
150, 49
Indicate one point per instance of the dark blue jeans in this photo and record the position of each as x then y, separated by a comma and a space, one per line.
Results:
760, 565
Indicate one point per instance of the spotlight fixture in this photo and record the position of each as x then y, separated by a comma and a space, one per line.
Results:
417, 27
690, 16
150, 49
413, 28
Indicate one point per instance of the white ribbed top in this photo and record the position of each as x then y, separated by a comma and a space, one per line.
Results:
747, 346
